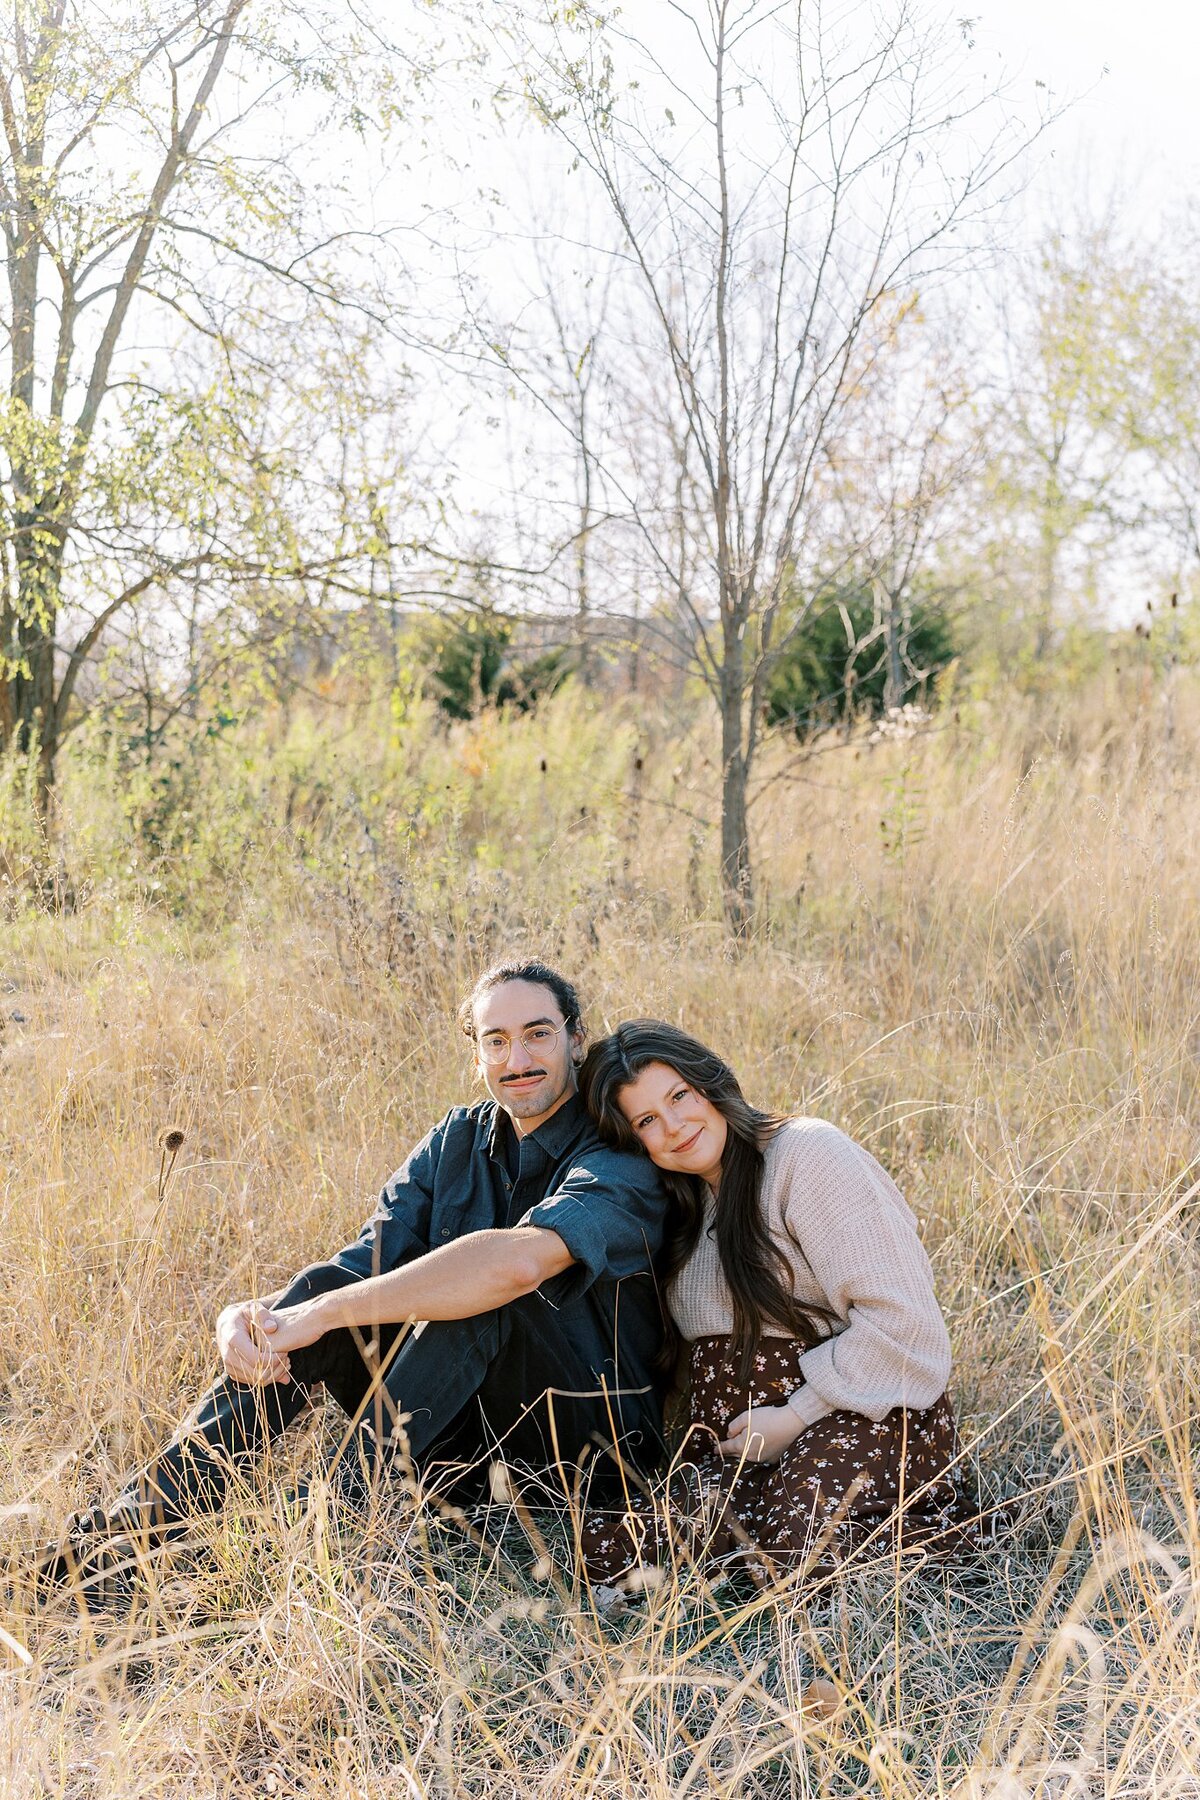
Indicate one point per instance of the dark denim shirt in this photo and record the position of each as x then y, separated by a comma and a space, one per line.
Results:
606, 1205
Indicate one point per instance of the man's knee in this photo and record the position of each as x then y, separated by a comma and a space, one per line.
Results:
318, 1278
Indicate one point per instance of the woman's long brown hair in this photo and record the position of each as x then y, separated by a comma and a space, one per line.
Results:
754, 1267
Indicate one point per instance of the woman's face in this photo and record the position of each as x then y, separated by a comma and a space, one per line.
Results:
678, 1127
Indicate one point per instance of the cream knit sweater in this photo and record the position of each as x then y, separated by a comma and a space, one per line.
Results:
851, 1243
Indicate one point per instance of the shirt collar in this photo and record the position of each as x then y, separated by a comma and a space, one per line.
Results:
559, 1131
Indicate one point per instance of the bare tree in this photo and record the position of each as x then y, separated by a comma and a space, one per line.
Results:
774, 178
577, 312
902, 476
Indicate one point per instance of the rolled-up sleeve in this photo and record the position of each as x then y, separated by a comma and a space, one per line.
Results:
398, 1230
860, 1240
608, 1211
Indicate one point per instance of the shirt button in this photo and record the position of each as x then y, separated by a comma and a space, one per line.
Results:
445, 1231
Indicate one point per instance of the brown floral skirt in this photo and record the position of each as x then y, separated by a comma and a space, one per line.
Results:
847, 1484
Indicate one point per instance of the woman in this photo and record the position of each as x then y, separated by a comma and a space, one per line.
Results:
818, 1355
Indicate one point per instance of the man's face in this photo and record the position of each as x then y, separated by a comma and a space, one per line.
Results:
531, 1082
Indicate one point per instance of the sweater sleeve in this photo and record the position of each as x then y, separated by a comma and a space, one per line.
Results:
860, 1240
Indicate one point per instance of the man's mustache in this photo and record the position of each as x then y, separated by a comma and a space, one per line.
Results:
525, 1075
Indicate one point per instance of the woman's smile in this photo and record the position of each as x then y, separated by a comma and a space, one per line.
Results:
679, 1128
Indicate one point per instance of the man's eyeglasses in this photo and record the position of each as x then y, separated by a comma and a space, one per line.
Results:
539, 1040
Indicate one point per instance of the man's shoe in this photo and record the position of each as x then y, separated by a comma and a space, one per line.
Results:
94, 1562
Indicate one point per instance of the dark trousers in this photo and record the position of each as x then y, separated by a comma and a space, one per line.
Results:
527, 1383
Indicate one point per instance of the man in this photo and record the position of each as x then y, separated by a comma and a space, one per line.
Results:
524, 1244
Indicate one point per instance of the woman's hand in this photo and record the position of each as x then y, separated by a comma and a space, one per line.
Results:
762, 1434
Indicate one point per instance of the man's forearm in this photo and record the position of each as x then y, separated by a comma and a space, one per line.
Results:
457, 1281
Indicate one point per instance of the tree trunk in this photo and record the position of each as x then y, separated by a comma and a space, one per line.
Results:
1048, 542
32, 706
737, 891
1047, 586
28, 713
893, 685
31, 611
582, 547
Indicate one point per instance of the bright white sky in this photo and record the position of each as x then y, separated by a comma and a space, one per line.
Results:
1131, 135
1138, 125
1129, 66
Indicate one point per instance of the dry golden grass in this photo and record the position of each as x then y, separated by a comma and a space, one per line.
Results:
979, 954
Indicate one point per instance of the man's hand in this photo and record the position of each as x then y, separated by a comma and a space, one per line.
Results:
296, 1326
244, 1346
459, 1280
762, 1434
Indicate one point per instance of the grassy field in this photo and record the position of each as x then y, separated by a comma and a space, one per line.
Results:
978, 952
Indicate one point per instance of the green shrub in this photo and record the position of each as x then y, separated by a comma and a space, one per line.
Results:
466, 658
835, 665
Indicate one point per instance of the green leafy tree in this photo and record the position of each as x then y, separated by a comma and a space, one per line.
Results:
1061, 483
163, 283
1156, 410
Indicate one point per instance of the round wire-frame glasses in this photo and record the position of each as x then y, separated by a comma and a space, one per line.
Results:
496, 1046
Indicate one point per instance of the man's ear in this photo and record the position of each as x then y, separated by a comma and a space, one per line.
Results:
578, 1044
